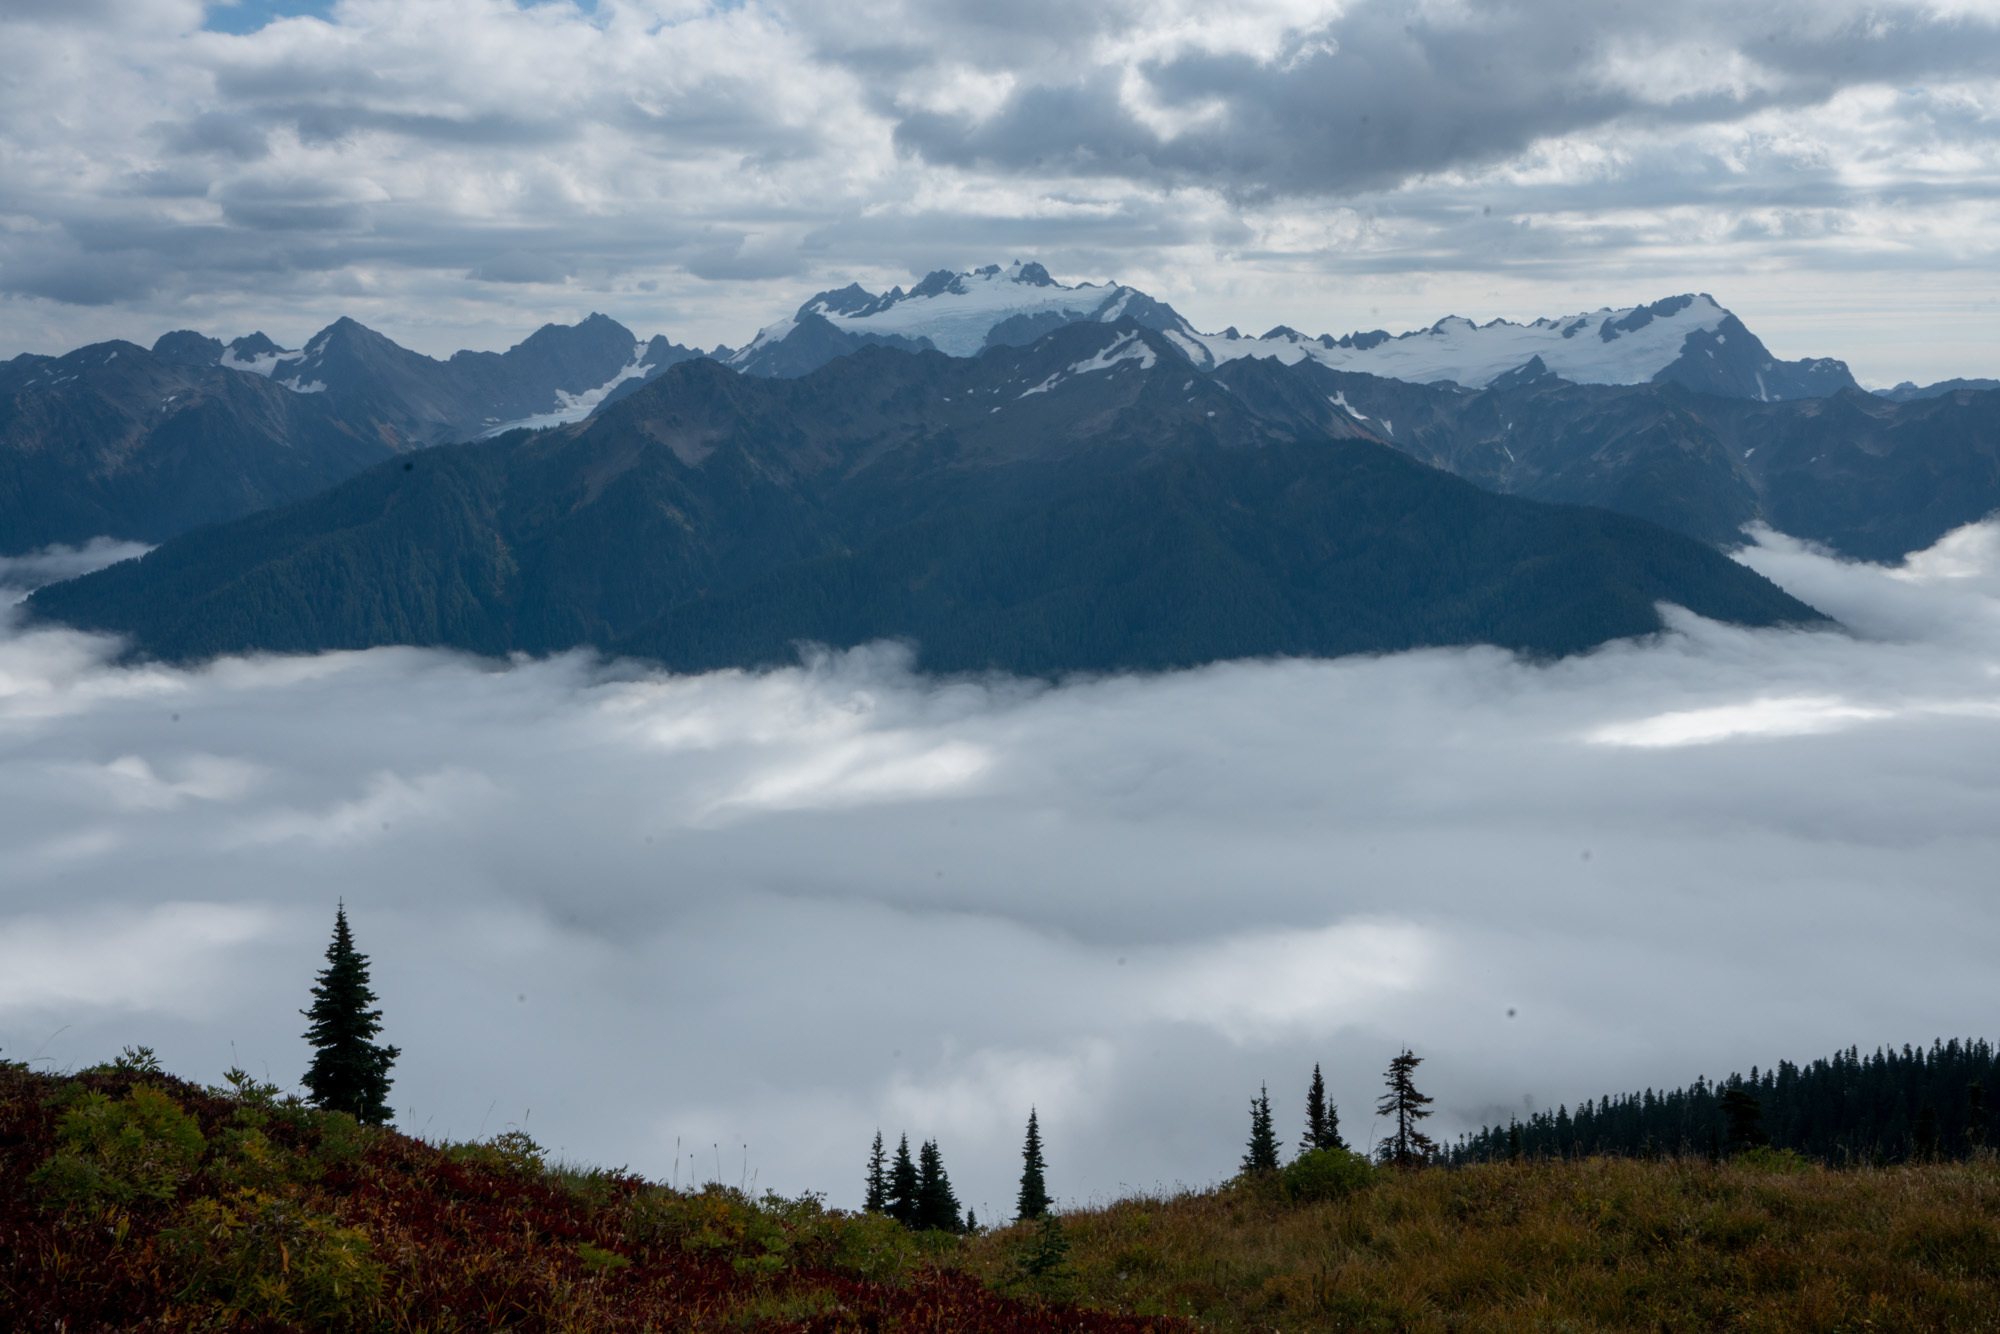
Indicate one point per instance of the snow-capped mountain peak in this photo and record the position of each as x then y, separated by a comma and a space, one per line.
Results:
962, 313
1690, 339
1606, 346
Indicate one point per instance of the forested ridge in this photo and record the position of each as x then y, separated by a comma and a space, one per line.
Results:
1892, 1106
1134, 517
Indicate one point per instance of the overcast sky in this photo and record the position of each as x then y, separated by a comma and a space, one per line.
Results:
759, 916
455, 172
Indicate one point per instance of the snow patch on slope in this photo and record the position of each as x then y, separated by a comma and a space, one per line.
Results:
1626, 346
575, 407
1127, 347
263, 364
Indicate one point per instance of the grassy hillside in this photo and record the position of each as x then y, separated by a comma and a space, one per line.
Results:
130, 1200
1764, 1242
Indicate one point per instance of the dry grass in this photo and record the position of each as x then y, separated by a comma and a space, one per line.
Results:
1596, 1244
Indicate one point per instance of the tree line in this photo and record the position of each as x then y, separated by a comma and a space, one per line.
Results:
1912, 1104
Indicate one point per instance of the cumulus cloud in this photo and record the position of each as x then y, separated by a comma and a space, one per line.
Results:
748, 918
457, 171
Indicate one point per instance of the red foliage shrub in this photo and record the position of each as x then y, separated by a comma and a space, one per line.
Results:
296, 1219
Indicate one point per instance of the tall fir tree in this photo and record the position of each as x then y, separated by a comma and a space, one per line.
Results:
902, 1202
878, 1178
350, 1070
1322, 1118
1407, 1146
1261, 1153
937, 1205
1034, 1198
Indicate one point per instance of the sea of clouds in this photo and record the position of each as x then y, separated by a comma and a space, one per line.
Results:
731, 924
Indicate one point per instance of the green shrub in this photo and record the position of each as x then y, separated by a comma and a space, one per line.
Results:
240, 1086
509, 1151
343, 1141
1764, 1158
267, 1258
139, 1147
876, 1246
1039, 1261
1326, 1174
137, 1061
599, 1260
246, 1158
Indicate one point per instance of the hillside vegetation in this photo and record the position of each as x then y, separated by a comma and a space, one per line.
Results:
1762, 1242
133, 1201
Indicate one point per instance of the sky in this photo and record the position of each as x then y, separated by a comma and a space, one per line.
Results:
457, 172
729, 925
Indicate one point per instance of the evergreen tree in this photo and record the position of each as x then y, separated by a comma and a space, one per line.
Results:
1261, 1154
1975, 1115
937, 1205
1322, 1118
1743, 1116
349, 1070
878, 1178
1034, 1197
1408, 1146
902, 1201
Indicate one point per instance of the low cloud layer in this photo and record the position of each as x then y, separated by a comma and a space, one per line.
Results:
750, 918
457, 171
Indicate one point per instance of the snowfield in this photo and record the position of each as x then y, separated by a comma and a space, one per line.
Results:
1575, 347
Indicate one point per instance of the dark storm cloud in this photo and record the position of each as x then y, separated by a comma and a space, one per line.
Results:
783, 909
1384, 94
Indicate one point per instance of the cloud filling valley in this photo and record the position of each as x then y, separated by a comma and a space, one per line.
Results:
746, 919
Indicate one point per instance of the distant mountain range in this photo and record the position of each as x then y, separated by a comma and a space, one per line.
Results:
1866, 476
114, 440
560, 373
1685, 340
1092, 501
832, 508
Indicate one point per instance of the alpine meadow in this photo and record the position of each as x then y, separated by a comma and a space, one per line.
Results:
907, 665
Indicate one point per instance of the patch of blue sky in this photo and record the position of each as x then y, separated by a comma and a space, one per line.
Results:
241, 16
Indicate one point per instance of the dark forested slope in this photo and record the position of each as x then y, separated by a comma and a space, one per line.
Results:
1090, 501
